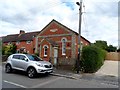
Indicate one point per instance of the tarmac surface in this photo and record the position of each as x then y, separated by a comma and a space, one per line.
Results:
108, 73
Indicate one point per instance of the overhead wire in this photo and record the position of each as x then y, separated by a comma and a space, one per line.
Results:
85, 24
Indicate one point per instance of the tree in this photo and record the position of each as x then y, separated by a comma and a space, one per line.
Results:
101, 44
3, 50
13, 49
9, 49
111, 48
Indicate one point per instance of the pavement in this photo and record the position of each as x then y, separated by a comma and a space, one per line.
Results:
107, 73
109, 68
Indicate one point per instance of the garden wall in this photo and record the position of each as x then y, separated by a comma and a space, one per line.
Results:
114, 56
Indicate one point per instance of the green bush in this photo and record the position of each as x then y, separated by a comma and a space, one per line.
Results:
9, 49
92, 59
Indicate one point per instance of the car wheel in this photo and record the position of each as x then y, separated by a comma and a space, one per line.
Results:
8, 68
31, 72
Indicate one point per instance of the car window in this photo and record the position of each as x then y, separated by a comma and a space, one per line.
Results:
16, 56
34, 58
22, 57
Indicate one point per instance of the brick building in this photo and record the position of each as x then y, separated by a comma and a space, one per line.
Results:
25, 42
55, 43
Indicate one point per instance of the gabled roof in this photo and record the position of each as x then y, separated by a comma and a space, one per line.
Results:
20, 37
71, 30
64, 27
53, 43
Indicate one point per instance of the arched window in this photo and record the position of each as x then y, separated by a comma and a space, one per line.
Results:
45, 50
64, 46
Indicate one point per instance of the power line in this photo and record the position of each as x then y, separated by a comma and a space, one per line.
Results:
85, 26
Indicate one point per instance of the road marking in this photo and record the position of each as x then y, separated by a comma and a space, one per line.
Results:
15, 84
109, 84
50, 81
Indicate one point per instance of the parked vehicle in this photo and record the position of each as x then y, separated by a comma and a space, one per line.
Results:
28, 63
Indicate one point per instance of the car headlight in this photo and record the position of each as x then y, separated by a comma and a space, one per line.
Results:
38, 64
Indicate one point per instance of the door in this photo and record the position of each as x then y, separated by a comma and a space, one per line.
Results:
55, 56
18, 62
15, 60
22, 62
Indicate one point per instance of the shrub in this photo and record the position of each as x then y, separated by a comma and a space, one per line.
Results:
92, 59
9, 49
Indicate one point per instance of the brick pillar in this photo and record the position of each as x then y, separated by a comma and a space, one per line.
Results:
73, 47
36, 45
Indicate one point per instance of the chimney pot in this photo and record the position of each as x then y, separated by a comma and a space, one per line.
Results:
22, 32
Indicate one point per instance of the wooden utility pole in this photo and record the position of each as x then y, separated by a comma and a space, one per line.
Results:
79, 36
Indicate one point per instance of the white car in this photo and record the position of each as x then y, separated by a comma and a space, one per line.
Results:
28, 63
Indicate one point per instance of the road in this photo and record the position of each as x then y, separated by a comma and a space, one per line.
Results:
20, 80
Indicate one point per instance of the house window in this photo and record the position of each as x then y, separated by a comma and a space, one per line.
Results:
45, 50
28, 42
17, 42
64, 46
23, 50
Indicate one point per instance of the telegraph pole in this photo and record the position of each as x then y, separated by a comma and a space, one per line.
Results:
79, 36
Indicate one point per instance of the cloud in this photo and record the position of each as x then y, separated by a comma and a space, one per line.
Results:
102, 22
98, 22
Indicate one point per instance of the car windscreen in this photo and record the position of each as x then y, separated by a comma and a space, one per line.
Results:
34, 58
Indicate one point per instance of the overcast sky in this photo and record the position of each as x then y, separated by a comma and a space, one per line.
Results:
99, 18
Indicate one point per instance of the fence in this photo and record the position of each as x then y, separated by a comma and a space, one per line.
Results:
115, 56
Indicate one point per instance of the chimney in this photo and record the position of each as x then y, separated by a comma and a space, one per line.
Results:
22, 32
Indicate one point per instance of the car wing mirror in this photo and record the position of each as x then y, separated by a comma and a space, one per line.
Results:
26, 59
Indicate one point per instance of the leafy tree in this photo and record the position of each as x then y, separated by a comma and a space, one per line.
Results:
9, 49
3, 50
111, 48
101, 44
13, 49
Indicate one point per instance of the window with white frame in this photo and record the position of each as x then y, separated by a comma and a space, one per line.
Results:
17, 42
45, 50
28, 42
64, 46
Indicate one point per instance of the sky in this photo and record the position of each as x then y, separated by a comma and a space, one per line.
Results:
99, 17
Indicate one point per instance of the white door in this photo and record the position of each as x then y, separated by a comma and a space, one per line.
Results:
55, 55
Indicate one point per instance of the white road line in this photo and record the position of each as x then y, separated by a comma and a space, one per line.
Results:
109, 84
15, 84
50, 81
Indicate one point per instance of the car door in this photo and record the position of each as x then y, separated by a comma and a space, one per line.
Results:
15, 61
23, 63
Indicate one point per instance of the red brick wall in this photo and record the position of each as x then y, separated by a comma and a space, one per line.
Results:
58, 41
56, 37
42, 51
54, 26
28, 47
84, 43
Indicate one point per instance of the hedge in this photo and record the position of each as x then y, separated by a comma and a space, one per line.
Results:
92, 59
